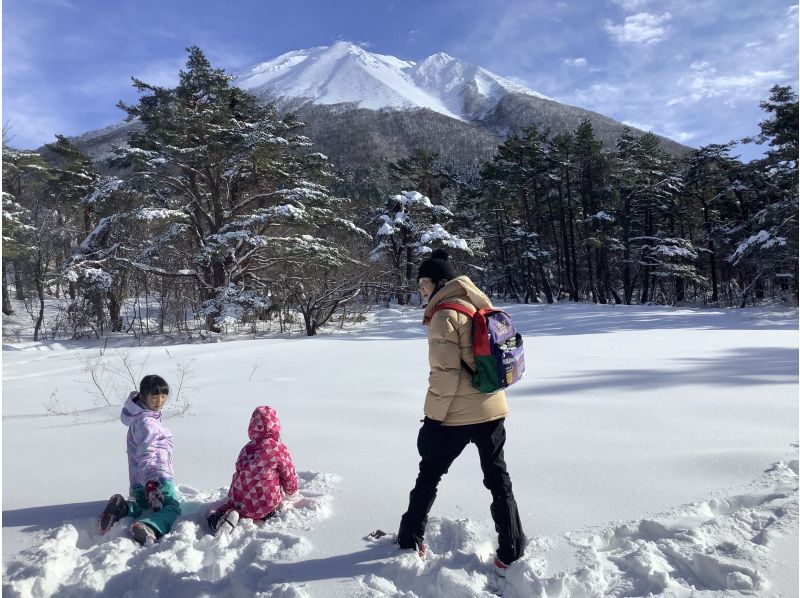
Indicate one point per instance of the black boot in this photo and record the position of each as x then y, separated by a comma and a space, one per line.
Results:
116, 509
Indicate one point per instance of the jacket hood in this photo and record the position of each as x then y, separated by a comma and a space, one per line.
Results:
461, 288
264, 424
133, 410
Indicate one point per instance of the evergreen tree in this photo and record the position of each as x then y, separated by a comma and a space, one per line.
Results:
420, 172
411, 227
34, 230
598, 225
647, 184
229, 193
518, 183
768, 247
709, 179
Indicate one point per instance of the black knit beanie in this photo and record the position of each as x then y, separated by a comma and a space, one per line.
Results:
437, 267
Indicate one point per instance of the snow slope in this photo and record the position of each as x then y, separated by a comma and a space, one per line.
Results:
345, 72
652, 450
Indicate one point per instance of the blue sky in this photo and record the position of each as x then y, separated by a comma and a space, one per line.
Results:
694, 71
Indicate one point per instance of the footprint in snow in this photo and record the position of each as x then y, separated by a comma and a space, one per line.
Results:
73, 560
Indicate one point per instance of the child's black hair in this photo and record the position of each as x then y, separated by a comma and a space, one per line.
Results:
153, 385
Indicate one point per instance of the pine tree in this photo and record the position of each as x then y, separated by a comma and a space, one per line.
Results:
230, 195
411, 227
597, 206
768, 247
34, 228
420, 172
647, 183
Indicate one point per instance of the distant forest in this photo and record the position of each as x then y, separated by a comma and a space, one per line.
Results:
219, 216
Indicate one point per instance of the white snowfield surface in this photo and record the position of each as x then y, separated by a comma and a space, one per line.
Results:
346, 72
653, 451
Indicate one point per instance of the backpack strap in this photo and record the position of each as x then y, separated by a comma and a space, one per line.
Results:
462, 309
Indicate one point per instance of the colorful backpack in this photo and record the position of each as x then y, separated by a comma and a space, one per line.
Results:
497, 346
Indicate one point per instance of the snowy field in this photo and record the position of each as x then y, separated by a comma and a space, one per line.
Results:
652, 451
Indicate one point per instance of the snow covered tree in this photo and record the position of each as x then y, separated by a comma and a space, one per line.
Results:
15, 230
598, 226
228, 192
647, 183
709, 179
411, 227
420, 172
24, 172
35, 230
518, 184
768, 241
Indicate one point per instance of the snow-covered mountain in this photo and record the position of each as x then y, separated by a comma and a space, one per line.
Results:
361, 108
347, 73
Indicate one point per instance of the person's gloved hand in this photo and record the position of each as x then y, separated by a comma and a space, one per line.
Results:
154, 497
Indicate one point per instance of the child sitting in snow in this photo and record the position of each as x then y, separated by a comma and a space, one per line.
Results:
264, 473
154, 504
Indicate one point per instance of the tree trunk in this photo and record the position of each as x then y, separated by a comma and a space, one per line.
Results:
571, 250
40, 318
749, 288
565, 241
8, 309
548, 292
680, 290
114, 309
712, 256
18, 290
311, 325
39, 273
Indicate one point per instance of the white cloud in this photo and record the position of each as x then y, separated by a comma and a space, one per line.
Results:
666, 130
601, 97
630, 4
732, 88
640, 126
701, 65
642, 28
162, 73
575, 62
32, 124
681, 136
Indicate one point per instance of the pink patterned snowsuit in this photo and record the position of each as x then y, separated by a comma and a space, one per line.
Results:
263, 469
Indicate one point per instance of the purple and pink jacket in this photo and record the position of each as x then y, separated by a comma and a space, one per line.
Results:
149, 443
264, 469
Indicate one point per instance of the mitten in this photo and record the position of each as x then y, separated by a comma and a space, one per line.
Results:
154, 497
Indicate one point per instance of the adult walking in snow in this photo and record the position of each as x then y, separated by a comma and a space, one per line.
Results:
456, 413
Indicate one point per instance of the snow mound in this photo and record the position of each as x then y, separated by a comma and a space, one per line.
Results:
717, 547
74, 560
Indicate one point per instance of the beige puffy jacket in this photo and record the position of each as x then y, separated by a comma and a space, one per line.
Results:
451, 397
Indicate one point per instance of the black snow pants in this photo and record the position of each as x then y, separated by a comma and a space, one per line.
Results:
439, 446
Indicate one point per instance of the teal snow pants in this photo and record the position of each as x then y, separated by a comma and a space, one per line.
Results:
162, 520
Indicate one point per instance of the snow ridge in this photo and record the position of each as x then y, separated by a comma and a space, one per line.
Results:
347, 73
716, 547
73, 560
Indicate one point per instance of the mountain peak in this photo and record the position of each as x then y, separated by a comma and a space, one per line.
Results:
346, 72
440, 57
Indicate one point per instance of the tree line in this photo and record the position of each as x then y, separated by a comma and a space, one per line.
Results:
218, 213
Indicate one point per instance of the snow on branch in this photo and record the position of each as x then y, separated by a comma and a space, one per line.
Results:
761, 240
436, 232
107, 186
